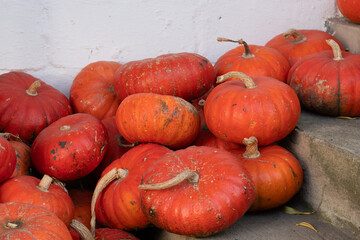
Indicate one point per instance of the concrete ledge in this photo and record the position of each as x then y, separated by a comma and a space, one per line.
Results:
346, 31
329, 152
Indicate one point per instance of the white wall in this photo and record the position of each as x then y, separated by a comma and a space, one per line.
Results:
54, 39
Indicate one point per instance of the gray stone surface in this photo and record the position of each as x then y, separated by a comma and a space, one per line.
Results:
346, 31
328, 149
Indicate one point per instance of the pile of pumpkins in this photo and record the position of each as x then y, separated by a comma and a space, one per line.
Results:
172, 142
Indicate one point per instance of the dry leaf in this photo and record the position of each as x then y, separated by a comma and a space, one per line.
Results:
290, 210
345, 117
305, 224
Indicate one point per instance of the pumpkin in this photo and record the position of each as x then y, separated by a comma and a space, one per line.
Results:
118, 201
328, 82
197, 191
117, 146
82, 211
26, 221
22, 151
185, 75
28, 105
296, 44
259, 106
276, 173
100, 233
43, 193
7, 159
163, 119
92, 91
349, 9
253, 60
71, 147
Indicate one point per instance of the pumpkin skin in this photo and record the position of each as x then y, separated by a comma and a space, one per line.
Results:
113, 234
328, 85
185, 75
350, 9
269, 111
26, 115
27, 189
23, 160
31, 222
206, 138
221, 195
92, 90
253, 60
296, 44
82, 211
276, 173
7, 159
163, 119
119, 202
71, 147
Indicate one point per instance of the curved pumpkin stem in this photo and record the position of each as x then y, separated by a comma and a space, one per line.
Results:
189, 175
100, 186
9, 136
249, 83
32, 90
120, 142
246, 54
252, 150
336, 49
298, 36
82, 230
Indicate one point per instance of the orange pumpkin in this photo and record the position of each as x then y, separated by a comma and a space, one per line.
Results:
92, 90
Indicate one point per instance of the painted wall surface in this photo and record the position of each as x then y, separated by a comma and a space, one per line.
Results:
53, 40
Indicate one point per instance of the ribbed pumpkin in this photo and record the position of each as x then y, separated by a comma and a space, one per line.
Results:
276, 173
71, 147
259, 106
118, 205
28, 105
163, 119
7, 159
253, 60
197, 191
185, 75
26, 221
296, 44
22, 151
328, 82
92, 90
350, 9
42, 193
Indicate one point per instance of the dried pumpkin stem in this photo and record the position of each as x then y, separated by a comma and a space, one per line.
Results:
120, 142
336, 49
45, 182
249, 83
103, 182
298, 36
8, 136
189, 175
246, 54
82, 230
11, 225
252, 150
32, 90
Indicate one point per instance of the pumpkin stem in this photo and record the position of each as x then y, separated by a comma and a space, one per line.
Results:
121, 140
249, 83
45, 183
336, 49
189, 175
252, 150
298, 36
32, 90
11, 225
246, 54
201, 102
9, 136
103, 182
59, 183
82, 230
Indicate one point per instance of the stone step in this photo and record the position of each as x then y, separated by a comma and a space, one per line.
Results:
346, 31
